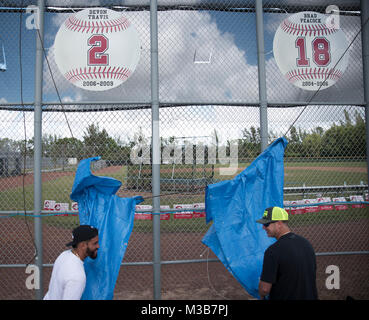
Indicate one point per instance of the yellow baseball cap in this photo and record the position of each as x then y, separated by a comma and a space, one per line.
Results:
273, 214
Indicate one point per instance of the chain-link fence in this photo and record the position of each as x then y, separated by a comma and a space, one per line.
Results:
213, 81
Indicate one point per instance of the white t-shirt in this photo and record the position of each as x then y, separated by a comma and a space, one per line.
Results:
68, 278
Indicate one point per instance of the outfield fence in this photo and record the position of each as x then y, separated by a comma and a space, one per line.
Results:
208, 94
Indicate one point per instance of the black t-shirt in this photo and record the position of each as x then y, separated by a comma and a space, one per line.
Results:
290, 265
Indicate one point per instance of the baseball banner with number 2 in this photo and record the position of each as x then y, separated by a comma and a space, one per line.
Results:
97, 49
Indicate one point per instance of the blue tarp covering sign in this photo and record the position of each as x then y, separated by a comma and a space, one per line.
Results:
113, 216
234, 206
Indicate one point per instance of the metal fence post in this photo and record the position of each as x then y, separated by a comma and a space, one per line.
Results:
261, 75
38, 147
365, 50
155, 144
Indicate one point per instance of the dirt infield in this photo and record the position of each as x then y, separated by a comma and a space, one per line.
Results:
7, 183
196, 281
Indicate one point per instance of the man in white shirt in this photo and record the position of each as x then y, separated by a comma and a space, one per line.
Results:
68, 278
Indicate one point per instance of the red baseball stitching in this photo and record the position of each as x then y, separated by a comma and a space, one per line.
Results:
91, 73
303, 30
313, 73
115, 25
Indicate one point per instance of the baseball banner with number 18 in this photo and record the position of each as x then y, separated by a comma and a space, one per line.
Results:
309, 52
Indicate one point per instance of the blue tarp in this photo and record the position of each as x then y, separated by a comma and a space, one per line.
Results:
113, 216
234, 206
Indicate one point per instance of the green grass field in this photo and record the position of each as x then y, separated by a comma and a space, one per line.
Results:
296, 174
60, 188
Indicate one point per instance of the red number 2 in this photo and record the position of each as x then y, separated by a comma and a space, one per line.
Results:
321, 52
96, 55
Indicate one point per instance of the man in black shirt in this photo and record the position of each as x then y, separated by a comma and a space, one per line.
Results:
289, 266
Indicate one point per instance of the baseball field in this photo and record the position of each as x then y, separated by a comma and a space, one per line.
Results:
188, 267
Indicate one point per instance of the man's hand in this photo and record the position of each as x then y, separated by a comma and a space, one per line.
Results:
264, 289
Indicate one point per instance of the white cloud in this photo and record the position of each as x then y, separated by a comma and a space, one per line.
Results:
228, 77
180, 34
180, 79
12, 124
348, 89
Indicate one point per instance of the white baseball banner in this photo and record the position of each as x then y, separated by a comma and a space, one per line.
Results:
97, 49
310, 52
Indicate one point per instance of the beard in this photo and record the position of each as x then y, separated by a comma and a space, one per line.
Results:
91, 253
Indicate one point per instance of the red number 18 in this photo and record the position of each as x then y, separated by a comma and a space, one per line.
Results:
321, 52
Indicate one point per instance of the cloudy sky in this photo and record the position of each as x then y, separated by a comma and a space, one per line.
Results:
204, 57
